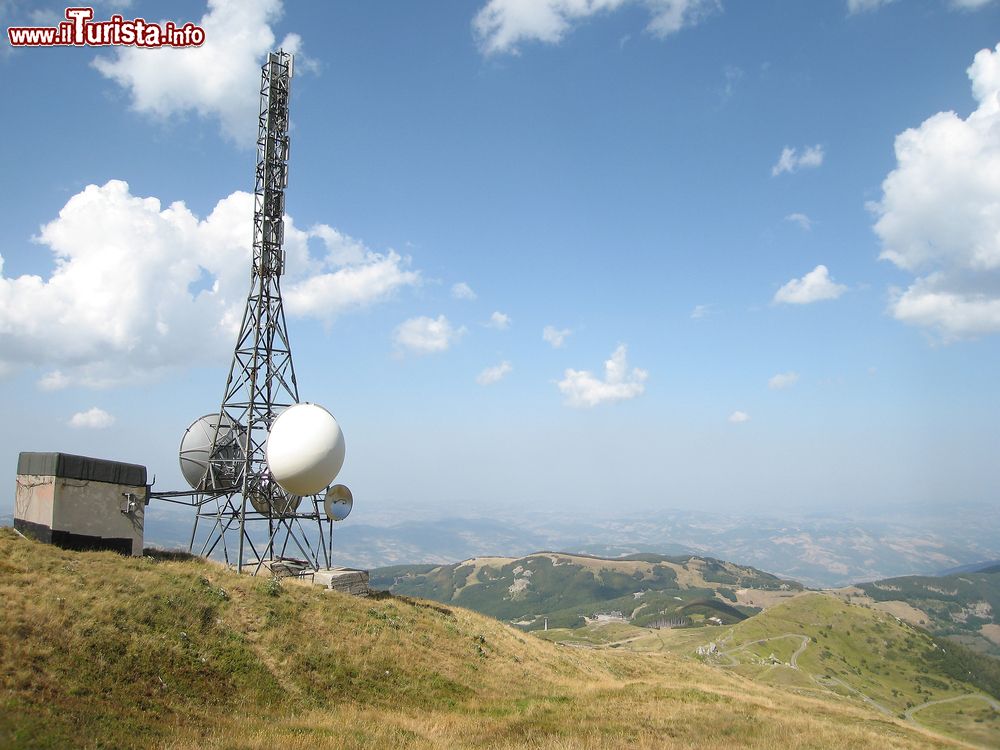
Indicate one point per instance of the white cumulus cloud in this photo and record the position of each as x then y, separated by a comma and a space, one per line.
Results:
92, 419
556, 337
424, 335
733, 75
739, 417
863, 6
501, 25
701, 311
583, 389
783, 380
813, 287
494, 374
802, 220
219, 79
461, 290
792, 160
499, 320
939, 215
325, 295
53, 381
137, 287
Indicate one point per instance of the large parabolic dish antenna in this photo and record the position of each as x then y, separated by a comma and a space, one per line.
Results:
305, 449
196, 450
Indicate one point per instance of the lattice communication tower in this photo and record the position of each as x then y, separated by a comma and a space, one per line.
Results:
237, 495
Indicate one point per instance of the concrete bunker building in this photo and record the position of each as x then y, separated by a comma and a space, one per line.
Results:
81, 503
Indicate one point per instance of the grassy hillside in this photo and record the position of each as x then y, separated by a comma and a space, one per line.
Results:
567, 588
102, 651
817, 643
963, 606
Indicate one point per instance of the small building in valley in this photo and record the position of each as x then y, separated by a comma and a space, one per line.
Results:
612, 616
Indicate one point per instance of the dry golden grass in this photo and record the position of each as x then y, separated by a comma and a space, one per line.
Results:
764, 599
102, 651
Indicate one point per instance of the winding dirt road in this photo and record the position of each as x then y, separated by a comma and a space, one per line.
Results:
825, 681
911, 711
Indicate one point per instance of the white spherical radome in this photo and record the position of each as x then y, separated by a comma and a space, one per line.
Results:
305, 449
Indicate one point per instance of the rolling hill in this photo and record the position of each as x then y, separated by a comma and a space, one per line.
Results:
820, 551
563, 590
972, 568
964, 607
97, 650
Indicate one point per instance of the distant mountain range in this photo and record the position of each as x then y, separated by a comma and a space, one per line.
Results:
554, 589
819, 551
973, 568
567, 590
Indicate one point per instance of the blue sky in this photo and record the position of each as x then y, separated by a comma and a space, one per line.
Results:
764, 300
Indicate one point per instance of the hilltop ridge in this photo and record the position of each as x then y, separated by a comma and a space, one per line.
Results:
563, 589
962, 606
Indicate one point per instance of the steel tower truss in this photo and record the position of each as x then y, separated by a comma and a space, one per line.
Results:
238, 493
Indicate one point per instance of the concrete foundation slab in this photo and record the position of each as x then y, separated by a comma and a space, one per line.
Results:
347, 580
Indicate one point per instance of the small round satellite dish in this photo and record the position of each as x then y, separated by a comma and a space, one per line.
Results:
339, 502
196, 448
305, 449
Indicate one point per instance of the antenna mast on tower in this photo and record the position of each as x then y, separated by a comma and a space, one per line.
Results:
261, 382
